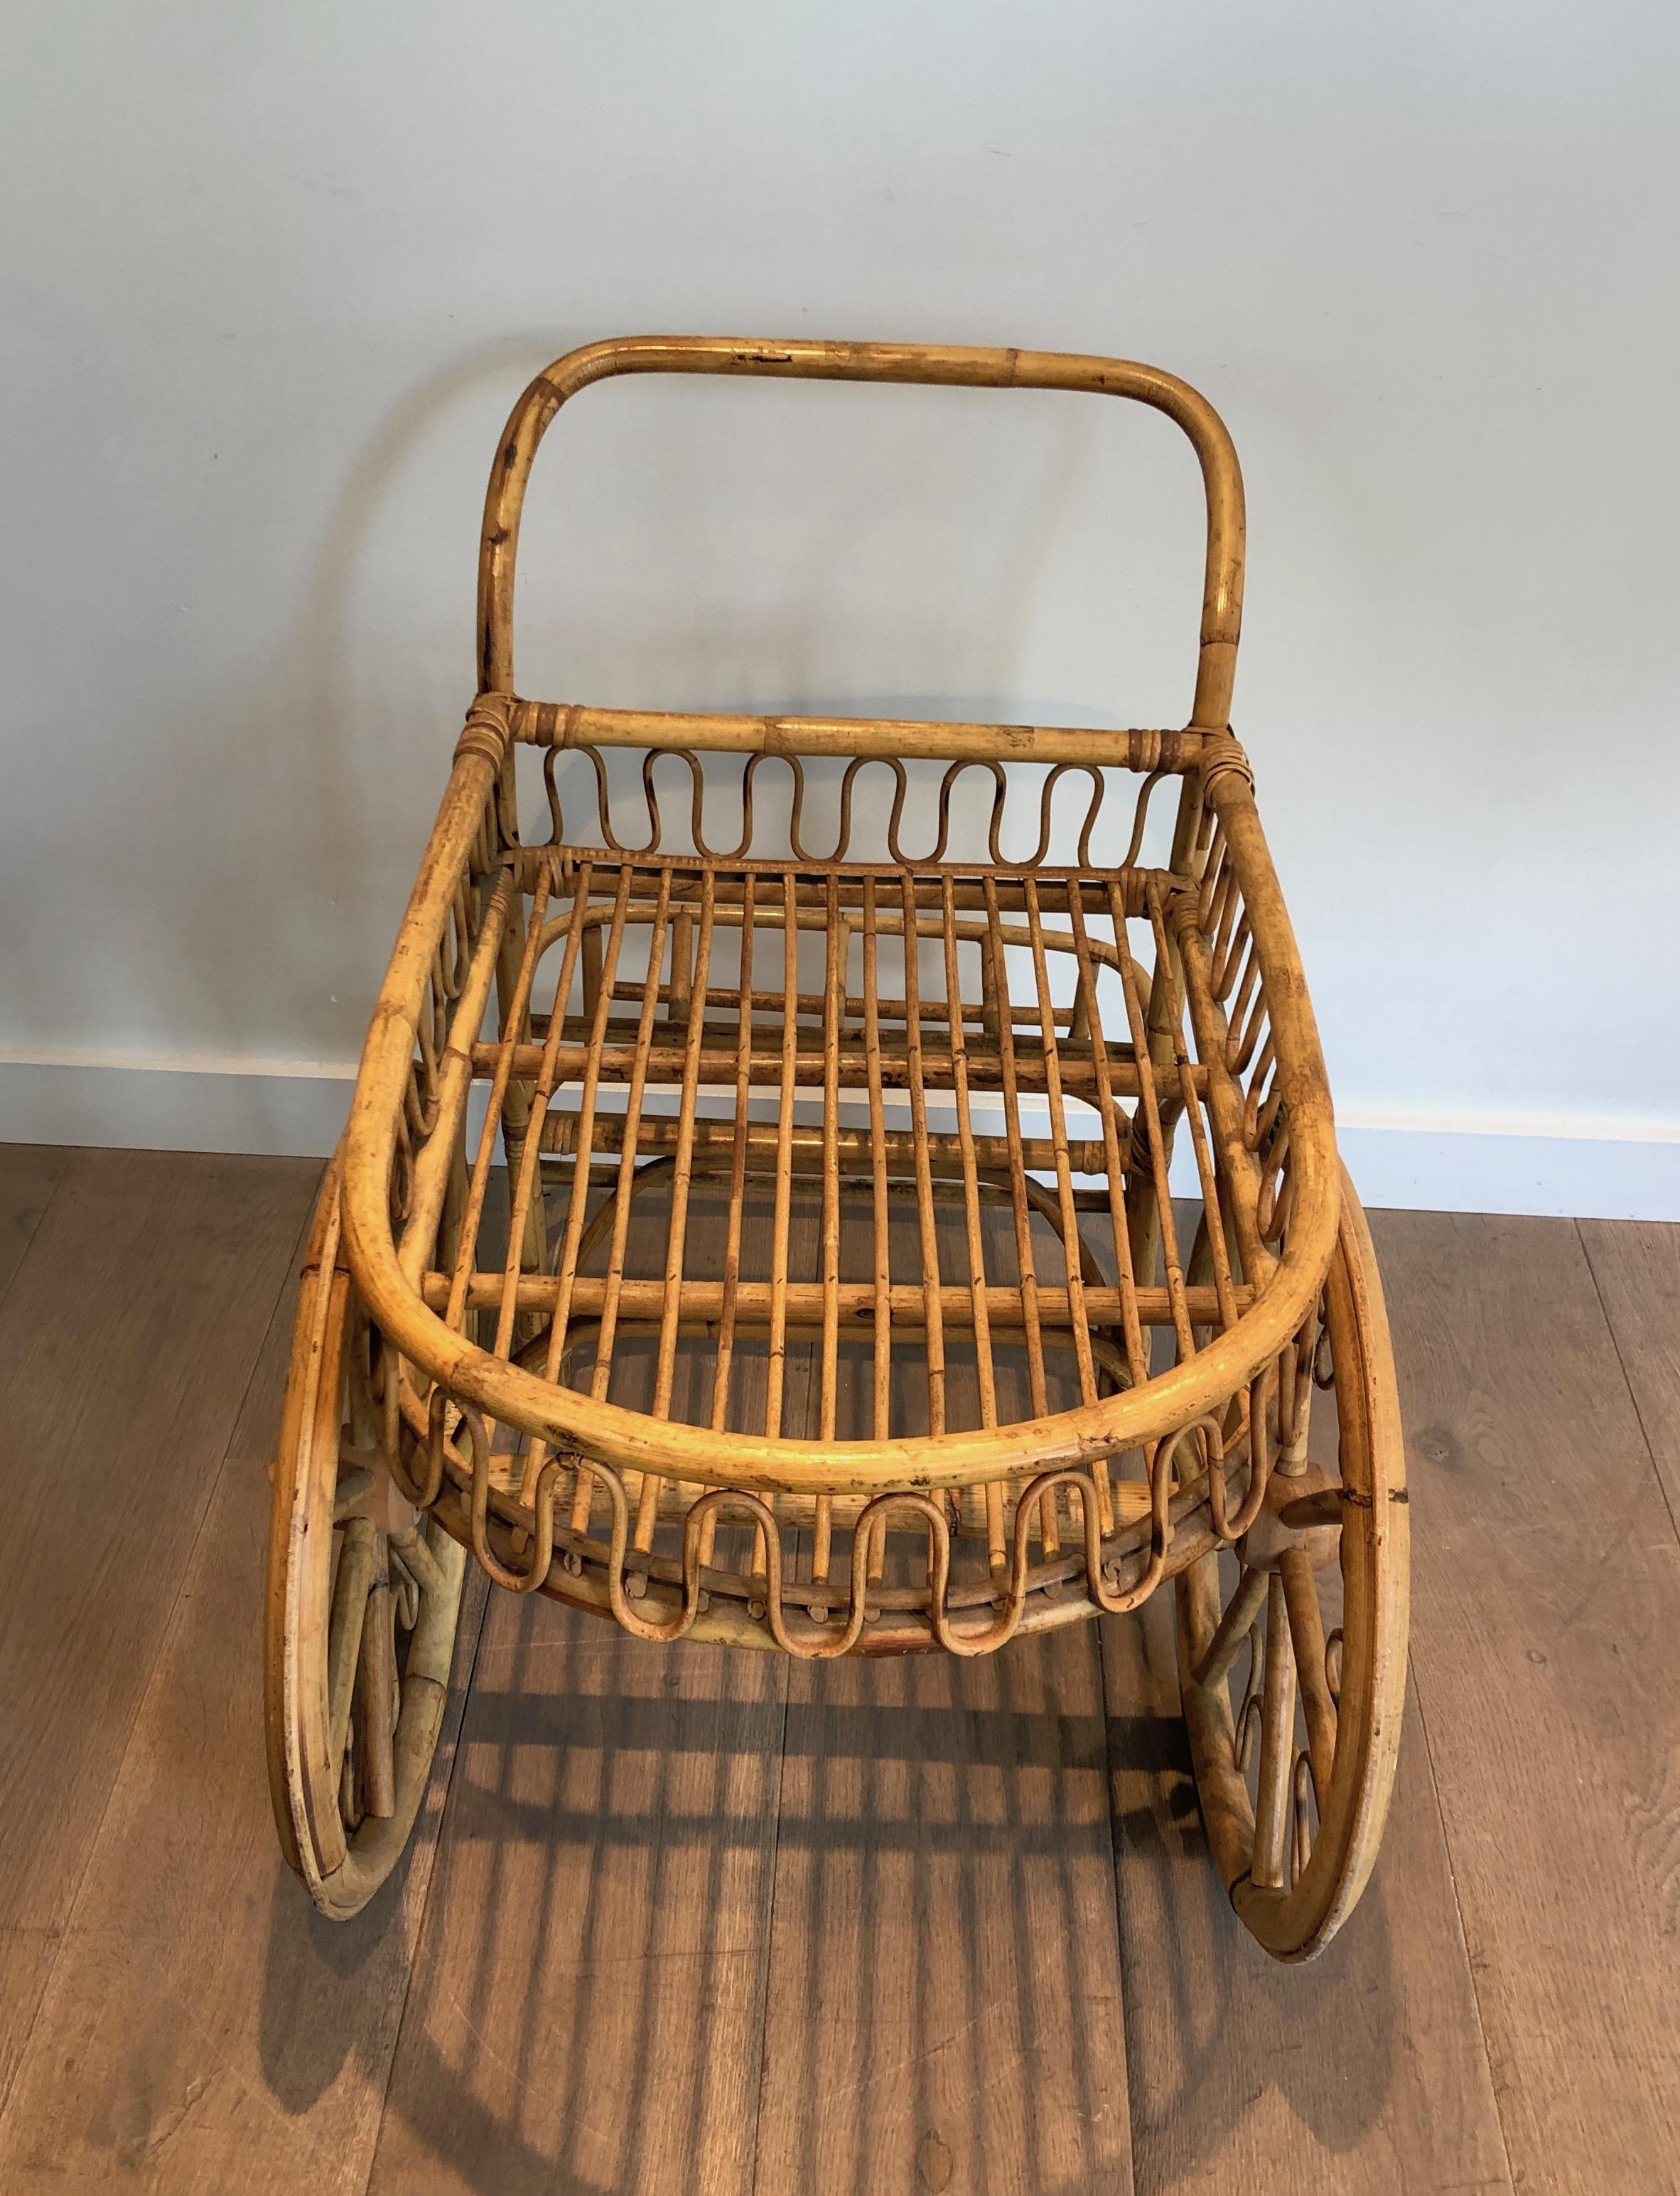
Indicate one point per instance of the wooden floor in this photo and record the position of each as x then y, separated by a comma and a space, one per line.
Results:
862, 1863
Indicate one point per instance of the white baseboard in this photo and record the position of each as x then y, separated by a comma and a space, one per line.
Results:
1566, 1164
182, 1104
1585, 1170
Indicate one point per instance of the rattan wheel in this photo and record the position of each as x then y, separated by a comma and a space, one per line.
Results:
363, 1597
1294, 1780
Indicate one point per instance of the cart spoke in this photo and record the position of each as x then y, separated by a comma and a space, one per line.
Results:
374, 1707
344, 1648
1277, 1741
1235, 1627
1304, 1816
1247, 1713
1307, 1634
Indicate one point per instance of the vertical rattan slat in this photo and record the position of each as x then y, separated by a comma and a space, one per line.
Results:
1072, 1252
932, 1317
1114, 1167
881, 1237
985, 1369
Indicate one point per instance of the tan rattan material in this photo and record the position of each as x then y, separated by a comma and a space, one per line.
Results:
763, 1230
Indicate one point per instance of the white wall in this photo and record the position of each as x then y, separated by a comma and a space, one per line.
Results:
273, 275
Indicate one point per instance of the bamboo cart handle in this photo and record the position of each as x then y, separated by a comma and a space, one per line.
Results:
947, 365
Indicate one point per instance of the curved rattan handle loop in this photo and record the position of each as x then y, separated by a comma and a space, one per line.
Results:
942, 365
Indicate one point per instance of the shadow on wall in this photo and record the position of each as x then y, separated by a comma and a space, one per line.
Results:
351, 794
784, 660
343, 781
260, 876
315, 779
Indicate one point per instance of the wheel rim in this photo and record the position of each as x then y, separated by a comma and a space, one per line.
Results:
361, 1612
1295, 1779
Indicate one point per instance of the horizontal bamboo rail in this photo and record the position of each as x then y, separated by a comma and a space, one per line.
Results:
893, 1013
803, 1302
811, 909
719, 1061
901, 739
811, 1150
811, 884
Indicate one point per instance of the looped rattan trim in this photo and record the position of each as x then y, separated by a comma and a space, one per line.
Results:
906, 799
536, 1570
422, 1493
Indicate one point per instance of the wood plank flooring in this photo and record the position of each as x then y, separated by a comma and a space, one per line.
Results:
677, 1920
129, 1331
1546, 1650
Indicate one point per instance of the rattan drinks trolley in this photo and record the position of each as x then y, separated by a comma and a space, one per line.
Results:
756, 1234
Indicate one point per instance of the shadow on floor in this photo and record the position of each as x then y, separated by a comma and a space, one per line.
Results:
701, 1921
